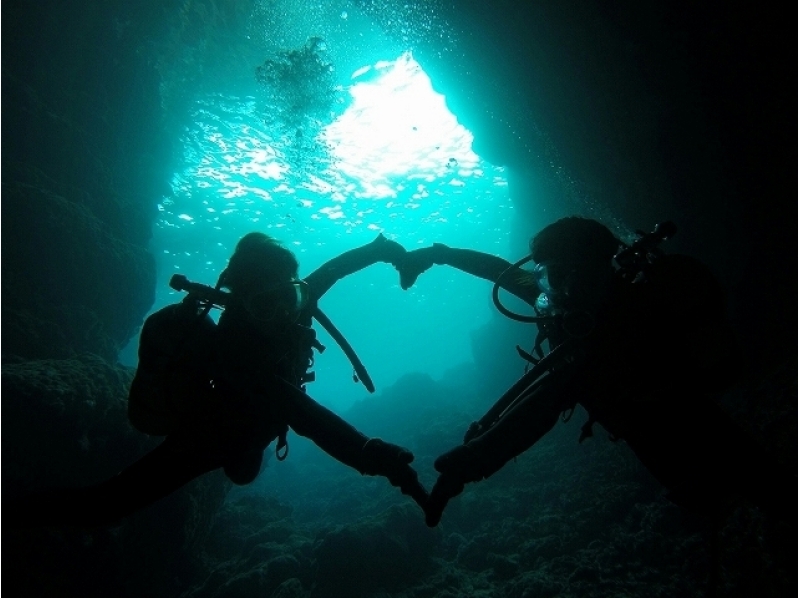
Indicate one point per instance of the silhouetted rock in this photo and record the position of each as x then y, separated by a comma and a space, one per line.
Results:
386, 553
70, 285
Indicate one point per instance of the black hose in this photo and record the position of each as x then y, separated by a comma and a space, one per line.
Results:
359, 368
513, 394
504, 310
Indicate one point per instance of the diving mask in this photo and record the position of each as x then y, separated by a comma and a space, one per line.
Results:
574, 286
286, 299
554, 280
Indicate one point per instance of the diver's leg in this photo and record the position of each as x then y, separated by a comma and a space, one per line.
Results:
343, 442
531, 417
157, 474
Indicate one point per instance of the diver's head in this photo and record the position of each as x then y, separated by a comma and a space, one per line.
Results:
574, 262
262, 278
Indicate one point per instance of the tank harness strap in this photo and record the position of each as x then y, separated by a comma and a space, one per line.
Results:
527, 357
541, 336
282, 446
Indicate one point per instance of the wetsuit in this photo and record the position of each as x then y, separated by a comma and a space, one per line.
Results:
255, 392
649, 372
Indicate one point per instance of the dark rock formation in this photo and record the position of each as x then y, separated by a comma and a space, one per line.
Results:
84, 160
388, 553
65, 424
636, 113
72, 284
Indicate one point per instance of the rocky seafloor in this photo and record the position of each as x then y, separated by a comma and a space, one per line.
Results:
562, 520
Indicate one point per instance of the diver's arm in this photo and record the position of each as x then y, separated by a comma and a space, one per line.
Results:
532, 414
379, 250
483, 265
343, 442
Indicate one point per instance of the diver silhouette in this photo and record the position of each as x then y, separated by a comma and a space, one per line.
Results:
222, 393
637, 337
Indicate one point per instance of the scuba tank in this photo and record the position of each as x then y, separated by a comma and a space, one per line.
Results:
177, 359
173, 377
214, 297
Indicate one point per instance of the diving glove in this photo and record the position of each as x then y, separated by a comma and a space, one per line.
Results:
418, 261
456, 467
445, 488
387, 250
393, 462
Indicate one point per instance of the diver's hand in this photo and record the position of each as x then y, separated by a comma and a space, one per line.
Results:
417, 261
394, 462
387, 250
458, 466
446, 487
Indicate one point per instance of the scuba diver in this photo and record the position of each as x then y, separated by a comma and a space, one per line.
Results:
639, 339
221, 393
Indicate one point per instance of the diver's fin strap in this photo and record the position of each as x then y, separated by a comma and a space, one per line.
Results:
359, 368
282, 446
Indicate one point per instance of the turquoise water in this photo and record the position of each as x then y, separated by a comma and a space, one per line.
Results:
391, 159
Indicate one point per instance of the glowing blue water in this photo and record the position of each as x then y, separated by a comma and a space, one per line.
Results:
394, 161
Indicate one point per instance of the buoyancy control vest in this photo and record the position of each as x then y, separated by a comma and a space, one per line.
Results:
179, 358
665, 322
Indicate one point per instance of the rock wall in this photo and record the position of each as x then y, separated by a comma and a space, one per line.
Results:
85, 159
636, 113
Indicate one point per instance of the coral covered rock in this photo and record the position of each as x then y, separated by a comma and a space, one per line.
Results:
70, 284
